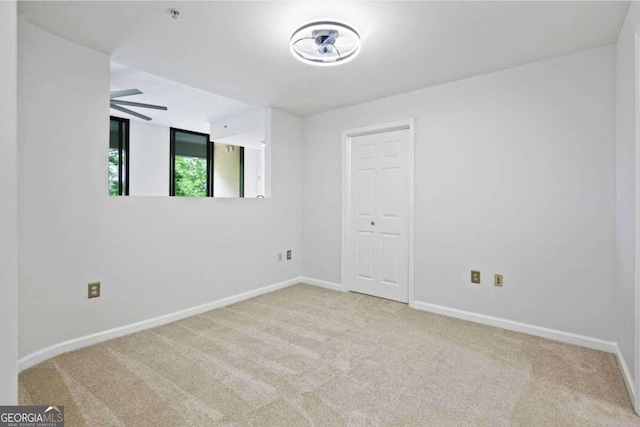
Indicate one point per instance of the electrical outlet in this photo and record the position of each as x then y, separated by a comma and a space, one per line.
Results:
279, 256
498, 280
289, 254
475, 276
94, 290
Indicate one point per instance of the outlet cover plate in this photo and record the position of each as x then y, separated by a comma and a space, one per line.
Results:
94, 290
498, 280
475, 276
289, 254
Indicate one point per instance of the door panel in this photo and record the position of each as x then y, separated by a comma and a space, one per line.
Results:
366, 184
365, 255
379, 209
391, 197
366, 151
390, 148
391, 259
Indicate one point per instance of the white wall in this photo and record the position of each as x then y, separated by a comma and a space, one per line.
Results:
226, 171
149, 168
251, 122
253, 161
515, 174
153, 255
626, 197
8, 207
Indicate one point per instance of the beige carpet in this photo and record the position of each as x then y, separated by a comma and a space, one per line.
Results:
309, 356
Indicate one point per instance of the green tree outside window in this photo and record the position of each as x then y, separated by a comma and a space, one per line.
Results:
190, 176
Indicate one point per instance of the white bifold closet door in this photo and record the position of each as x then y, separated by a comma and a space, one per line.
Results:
379, 215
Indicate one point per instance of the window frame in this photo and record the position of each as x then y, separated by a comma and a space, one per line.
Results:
123, 152
172, 160
241, 191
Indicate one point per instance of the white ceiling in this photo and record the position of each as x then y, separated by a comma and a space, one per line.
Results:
241, 49
188, 107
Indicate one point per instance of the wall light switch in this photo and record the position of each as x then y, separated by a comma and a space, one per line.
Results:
289, 254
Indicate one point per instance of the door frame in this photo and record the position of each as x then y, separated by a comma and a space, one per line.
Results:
408, 124
634, 388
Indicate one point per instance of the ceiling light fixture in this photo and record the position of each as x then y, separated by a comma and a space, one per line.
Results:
325, 43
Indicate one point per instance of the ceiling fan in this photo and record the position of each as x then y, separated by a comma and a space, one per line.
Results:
117, 104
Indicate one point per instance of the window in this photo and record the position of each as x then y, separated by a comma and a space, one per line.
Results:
198, 166
118, 157
191, 164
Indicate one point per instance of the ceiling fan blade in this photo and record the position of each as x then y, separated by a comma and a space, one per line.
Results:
133, 113
138, 104
126, 92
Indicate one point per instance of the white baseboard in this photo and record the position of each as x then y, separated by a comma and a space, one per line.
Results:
566, 337
628, 379
552, 334
322, 283
85, 341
